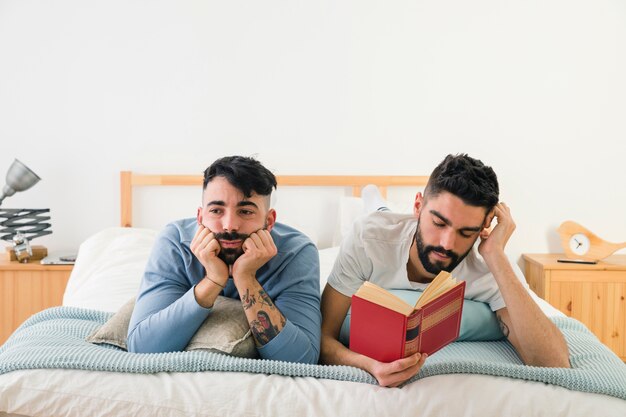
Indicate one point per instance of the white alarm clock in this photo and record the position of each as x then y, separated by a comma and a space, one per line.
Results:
580, 243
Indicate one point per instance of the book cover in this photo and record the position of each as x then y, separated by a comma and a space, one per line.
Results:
386, 328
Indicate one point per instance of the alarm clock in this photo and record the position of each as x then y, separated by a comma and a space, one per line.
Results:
580, 243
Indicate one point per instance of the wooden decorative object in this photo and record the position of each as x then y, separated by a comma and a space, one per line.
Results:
39, 252
580, 243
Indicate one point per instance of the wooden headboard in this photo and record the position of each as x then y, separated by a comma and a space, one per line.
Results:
131, 179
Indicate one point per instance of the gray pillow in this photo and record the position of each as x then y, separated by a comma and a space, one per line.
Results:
226, 330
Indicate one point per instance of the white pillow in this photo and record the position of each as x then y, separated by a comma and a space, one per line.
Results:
350, 208
108, 268
327, 260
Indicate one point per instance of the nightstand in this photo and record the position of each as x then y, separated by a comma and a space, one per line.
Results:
26, 289
592, 294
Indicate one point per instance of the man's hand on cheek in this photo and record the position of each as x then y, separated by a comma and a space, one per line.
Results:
206, 248
258, 248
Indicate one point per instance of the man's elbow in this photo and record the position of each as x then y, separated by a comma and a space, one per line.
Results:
135, 343
565, 363
308, 355
325, 349
557, 358
311, 355
554, 363
559, 354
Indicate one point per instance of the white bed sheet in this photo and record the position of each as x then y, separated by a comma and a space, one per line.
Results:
84, 393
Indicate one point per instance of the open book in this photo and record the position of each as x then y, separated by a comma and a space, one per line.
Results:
386, 328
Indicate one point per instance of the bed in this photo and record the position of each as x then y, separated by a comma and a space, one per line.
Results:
108, 271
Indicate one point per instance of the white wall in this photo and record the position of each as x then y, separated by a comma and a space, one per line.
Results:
534, 88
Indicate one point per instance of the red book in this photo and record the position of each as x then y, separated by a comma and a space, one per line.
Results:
386, 328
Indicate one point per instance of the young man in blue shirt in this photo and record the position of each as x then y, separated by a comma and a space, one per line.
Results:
235, 248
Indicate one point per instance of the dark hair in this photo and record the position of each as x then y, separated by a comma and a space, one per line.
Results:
242, 172
467, 178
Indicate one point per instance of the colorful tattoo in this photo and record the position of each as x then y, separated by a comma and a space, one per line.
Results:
265, 299
248, 300
263, 329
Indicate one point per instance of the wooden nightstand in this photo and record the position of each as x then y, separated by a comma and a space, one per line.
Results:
26, 289
592, 294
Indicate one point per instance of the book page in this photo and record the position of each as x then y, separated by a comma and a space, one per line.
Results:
378, 295
442, 283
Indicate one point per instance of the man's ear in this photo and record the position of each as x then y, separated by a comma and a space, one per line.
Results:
417, 205
199, 215
270, 219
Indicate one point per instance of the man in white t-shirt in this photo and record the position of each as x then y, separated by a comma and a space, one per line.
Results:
399, 251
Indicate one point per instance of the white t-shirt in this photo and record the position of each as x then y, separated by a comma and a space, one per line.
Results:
377, 250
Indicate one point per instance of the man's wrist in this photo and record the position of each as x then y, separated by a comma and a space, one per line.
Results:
243, 278
206, 291
494, 256
216, 282
499, 265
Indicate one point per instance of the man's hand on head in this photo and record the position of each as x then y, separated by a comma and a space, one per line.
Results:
494, 241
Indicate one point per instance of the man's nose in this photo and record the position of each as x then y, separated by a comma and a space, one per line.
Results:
448, 239
230, 222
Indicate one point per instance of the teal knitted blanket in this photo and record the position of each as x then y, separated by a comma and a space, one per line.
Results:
55, 338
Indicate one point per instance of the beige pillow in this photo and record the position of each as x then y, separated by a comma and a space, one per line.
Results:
226, 330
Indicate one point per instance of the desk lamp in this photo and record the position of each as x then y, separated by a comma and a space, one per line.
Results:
19, 178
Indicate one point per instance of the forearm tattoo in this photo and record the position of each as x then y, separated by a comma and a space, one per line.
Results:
248, 300
265, 300
263, 328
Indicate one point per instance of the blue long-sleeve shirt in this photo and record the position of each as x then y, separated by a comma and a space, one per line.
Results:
167, 315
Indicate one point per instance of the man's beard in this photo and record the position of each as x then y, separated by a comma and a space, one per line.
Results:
230, 255
424, 250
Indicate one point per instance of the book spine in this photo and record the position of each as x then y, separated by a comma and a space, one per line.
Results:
411, 341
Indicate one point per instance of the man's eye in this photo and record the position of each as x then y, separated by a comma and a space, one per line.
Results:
246, 212
467, 235
439, 224
215, 211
